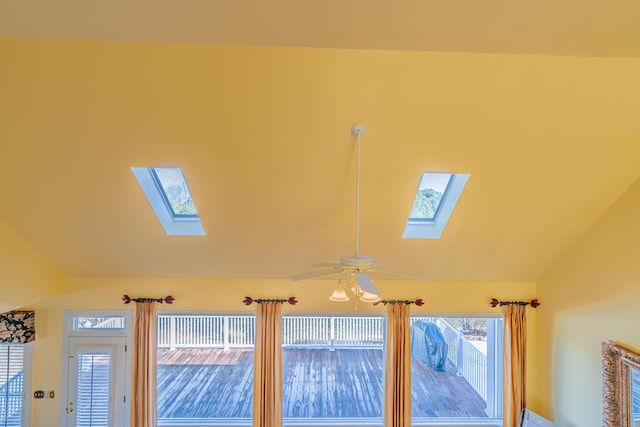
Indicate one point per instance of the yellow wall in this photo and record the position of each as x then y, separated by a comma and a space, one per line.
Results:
25, 277
587, 297
591, 295
227, 295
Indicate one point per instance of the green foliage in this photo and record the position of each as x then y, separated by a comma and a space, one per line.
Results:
426, 204
184, 209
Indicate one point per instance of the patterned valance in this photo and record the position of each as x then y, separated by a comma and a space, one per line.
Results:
17, 327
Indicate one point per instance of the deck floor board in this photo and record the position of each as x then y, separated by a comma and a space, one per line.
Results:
317, 383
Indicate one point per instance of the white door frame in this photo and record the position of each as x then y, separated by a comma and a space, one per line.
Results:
94, 336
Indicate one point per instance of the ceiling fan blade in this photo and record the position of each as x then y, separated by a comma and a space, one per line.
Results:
366, 284
404, 276
321, 274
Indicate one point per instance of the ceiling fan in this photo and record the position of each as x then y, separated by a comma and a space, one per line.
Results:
353, 271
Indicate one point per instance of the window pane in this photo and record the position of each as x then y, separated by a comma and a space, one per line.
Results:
86, 323
332, 367
205, 367
635, 395
94, 393
456, 367
430, 192
11, 374
175, 191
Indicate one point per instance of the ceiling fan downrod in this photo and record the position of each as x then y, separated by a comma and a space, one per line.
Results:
357, 130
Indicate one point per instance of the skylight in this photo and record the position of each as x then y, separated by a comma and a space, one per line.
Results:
175, 191
168, 193
430, 191
437, 195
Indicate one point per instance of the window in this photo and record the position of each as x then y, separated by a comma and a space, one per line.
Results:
175, 192
168, 193
635, 396
456, 369
101, 323
94, 389
205, 369
12, 357
432, 188
435, 200
333, 370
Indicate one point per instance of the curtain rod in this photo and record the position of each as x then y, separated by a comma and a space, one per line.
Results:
249, 300
168, 299
417, 302
495, 302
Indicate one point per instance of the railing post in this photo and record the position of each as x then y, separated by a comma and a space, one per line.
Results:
460, 352
172, 332
225, 332
332, 333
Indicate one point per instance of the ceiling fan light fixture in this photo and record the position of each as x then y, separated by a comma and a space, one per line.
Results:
369, 297
339, 295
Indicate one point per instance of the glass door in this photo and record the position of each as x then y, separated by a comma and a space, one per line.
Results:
96, 390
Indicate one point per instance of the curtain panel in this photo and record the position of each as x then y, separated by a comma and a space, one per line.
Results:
398, 367
17, 327
514, 353
143, 370
267, 380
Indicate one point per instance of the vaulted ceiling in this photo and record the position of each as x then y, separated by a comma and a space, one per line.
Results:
263, 132
567, 27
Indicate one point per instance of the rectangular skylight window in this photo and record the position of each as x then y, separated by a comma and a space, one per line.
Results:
430, 191
175, 191
168, 193
437, 195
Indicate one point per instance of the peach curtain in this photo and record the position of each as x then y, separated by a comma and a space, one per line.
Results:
514, 352
398, 370
143, 370
267, 366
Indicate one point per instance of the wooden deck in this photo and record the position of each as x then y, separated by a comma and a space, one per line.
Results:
318, 383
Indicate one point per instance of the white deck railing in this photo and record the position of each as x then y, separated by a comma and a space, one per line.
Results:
470, 362
215, 331
209, 331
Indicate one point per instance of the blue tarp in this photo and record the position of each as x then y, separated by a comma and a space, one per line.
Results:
428, 346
